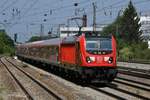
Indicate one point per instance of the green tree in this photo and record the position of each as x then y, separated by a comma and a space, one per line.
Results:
130, 26
113, 28
6, 44
126, 27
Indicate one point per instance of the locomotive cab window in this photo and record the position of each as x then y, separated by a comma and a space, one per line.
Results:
98, 45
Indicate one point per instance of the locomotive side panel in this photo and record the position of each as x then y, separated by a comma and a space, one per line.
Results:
68, 54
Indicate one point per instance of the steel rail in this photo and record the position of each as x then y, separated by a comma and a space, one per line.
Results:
127, 92
135, 86
136, 74
145, 84
36, 81
107, 93
18, 82
134, 69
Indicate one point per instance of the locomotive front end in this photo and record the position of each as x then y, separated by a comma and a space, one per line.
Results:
99, 52
99, 57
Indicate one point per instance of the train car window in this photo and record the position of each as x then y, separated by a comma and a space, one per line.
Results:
48, 51
45, 52
52, 50
31, 51
42, 52
40, 49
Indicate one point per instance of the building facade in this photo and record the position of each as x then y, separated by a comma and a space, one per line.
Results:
70, 31
145, 27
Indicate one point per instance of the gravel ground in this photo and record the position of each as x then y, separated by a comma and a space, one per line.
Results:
9, 90
134, 65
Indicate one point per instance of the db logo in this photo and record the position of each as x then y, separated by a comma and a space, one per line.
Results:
99, 59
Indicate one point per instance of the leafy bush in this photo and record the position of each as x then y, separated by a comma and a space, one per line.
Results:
6, 44
146, 53
133, 51
126, 53
8, 50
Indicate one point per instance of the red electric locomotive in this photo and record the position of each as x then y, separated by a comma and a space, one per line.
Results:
88, 56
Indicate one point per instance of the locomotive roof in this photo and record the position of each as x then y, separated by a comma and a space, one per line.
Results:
55, 41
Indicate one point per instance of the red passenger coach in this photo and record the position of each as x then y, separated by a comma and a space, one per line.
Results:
88, 56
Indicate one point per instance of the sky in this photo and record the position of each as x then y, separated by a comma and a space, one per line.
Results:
25, 17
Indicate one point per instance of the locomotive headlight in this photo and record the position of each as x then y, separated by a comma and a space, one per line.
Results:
110, 60
90, 59
106, 58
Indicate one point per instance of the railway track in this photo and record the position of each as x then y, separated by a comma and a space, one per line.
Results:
62, 90
134, 72
9, 89
141, 82
130, 84
18, 82
33, 88
139, 76
146, 71
107, 92
125, 86
124, 90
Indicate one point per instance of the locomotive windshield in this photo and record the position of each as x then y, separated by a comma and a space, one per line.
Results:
98, 45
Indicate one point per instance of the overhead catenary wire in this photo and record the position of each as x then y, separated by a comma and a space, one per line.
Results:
53, 9
21, 10
112, 6
85, 1
59, 8
10, 5
56, 9
90, 13
105, 7
62, 18
27, 10
25, 5
30, 7
47, 22
3, 4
